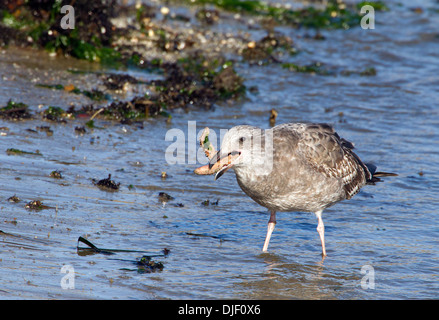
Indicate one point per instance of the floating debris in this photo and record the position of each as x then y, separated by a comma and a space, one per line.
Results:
313, 68
204, 235
4, 131
367, 72
56, 174
56, 114
147, 265
92, 248
31, 130
371, 71
13, 151
266, 50
144, 265
208, 202
46, 129
118, 81
14, 199
37, 205
80, 130
164, 197
15, 111
107, 184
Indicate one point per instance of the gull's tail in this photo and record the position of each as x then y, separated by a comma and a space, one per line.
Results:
375, 176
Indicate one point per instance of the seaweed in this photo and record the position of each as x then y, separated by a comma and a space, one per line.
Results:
208, 16
164, 197
80, 130
193, 78
14, 199
36, 205
315, 67
204, 235
91, 39
335, 15
47, 130
137, 108
56, 174
15, 111
54, 114
146, 265
118, 81
13, 151
94, 94
264, 50
210, 203
367, 72
107, 184
320, 69
197, 80
92, 248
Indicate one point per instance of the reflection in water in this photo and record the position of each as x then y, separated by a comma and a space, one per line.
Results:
283, 279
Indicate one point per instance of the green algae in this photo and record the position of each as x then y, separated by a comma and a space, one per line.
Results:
94, 94
18, 152
15, 111
335, 15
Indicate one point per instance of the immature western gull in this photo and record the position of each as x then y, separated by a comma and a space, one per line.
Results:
293, 167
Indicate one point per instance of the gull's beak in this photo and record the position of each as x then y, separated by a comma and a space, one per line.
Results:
223, 162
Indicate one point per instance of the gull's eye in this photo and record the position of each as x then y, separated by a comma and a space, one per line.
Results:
242, 139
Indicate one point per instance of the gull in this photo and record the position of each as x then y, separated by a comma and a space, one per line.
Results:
302, 167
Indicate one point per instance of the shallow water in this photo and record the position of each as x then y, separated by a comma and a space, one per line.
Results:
390, 229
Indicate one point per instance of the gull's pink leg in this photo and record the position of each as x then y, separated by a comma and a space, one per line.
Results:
321, 231
271, 224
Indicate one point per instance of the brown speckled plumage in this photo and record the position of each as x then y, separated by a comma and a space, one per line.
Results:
309, 168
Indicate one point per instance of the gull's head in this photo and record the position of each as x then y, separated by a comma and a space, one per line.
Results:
242, 146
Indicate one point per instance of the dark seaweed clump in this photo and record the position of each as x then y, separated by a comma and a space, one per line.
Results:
194, 77
39, 22
334, 15
56, 114
208, 202
164, 197
94, 94
36, 205
265, 50
15, 111
56, 174
198, 81
118, 81
193, 81
13, 151
14, 199
147, 265
107, 184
